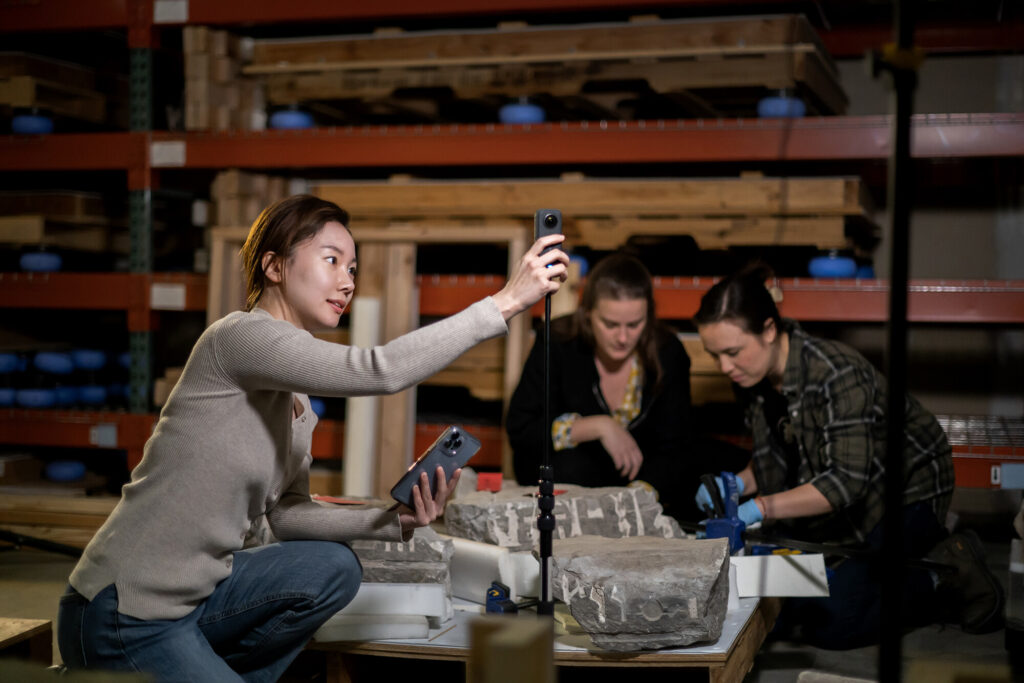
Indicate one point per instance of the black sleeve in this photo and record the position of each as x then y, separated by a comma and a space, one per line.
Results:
524, 422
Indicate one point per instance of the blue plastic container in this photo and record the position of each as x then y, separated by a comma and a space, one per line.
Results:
781, 107
65, 396
54, 362
31, 124
521, 113
832, 265
7, 396
88, 359
318, 406
291, 119
92, 395
40, 262
65, 470
865, 271
35, 398
9, 362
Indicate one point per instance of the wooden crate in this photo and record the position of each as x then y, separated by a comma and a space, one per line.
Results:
217, 96
62, 89
70, 220
690, 59
829, 213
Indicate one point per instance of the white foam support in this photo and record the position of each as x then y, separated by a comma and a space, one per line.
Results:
781, 576
362, 627
401, 599
474, 565
526, 569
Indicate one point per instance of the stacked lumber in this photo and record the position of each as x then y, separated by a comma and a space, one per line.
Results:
217, 96
62, 89
71, 520
67, 220
239, 196
829, 213
707, 67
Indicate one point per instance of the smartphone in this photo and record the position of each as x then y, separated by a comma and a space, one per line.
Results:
451, 450
547, 222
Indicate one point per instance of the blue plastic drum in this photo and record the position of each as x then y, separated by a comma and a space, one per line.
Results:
35, 398
521, 113
31, 124
832, 265
88, 359
54, 362
291, 119
65, 470
40, 262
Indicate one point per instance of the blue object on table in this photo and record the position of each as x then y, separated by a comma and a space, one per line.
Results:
88, 359
40, 261
521, 112
731, 526
781, 107
54, 362
31, 124
65, 470
35, 398
832, 265
291, 119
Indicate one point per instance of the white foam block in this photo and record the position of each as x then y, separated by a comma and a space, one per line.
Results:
783, 576
403, 599
360, 627
526, 569
474, 565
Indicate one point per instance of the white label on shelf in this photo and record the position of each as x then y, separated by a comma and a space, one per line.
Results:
170, 12
995, 475
164, 296
103, 435
167, 153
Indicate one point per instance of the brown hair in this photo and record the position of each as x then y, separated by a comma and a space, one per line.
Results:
741, 298
620, 276
279, 229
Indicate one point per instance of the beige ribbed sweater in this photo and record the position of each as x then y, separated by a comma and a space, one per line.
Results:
227, 450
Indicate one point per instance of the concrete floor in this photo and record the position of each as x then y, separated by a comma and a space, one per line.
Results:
31, 583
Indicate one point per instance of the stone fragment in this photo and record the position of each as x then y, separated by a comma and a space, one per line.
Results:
643, 593
509, 517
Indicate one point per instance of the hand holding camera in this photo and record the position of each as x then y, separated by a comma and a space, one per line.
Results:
542, 269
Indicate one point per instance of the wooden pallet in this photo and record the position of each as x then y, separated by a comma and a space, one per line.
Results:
829, 213
71, 520
217, 96
716, 67
62, 89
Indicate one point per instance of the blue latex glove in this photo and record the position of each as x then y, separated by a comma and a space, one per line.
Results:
749, 513
703, 497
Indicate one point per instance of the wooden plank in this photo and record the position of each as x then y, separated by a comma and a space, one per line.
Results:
45, 68
87, 505
77, 537
397, 411
715, 233
31, 638
551, 42
29, 229
63, 207
56, 98
594, 197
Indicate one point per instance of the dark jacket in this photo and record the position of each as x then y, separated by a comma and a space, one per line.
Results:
662, 430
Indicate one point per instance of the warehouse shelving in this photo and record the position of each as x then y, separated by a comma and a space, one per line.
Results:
143, 154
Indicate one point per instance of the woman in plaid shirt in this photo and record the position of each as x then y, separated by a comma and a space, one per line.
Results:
817, 412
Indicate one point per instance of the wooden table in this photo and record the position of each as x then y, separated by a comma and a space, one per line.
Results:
30, 639
726, 660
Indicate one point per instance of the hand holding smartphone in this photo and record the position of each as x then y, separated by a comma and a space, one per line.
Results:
452, 449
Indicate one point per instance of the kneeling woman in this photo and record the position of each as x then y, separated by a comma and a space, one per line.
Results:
817, 413
165, 587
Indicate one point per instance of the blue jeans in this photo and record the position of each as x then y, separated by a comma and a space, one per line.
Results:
851, 615
250, 628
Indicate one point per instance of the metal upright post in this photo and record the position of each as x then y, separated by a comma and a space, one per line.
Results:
546, 494
900, 60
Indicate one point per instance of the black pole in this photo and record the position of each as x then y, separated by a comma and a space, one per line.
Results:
546, 497
901, 62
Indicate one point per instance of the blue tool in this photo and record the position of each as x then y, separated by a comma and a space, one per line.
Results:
499, 602
725, 523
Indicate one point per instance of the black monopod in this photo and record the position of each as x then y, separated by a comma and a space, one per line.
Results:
546, 222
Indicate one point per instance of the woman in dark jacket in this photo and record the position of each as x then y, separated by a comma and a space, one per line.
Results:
620, 394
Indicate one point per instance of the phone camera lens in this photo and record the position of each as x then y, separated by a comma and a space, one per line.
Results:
550, 220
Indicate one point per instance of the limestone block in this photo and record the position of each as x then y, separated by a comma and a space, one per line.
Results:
643, 593
509, 517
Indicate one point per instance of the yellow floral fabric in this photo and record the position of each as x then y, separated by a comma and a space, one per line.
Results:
561, 428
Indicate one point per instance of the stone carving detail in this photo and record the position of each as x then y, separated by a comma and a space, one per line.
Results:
509, 518
643, 593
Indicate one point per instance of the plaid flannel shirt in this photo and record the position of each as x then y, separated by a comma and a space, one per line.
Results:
836, 409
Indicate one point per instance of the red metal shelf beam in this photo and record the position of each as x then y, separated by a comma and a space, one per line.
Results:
73, 152
604, 142
139, 294
934, 301
329, 440
63, 15
77, 429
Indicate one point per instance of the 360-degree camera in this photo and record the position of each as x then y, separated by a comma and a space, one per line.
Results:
547, 222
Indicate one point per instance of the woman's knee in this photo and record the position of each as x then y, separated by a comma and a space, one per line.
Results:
341, 572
